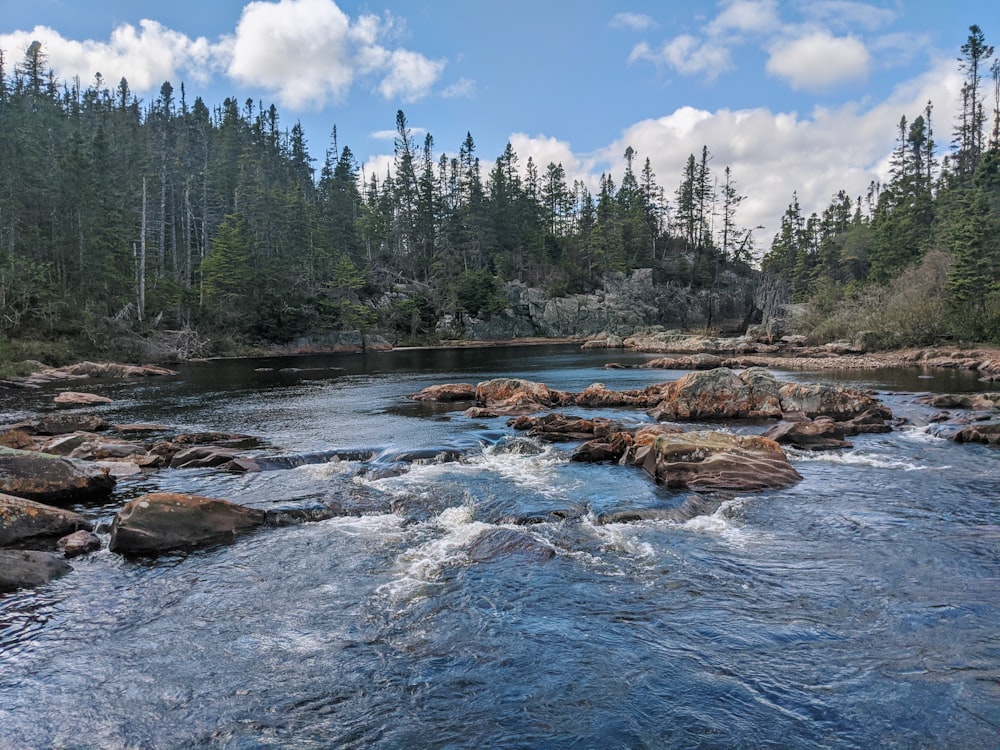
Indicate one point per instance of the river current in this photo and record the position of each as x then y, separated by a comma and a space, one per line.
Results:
859, 608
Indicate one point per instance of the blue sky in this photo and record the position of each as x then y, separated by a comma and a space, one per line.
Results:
793, 96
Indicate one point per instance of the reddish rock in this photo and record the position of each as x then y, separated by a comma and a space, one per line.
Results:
22, 519
69, 399
719, 461
78, 543
165, 521
17, 438
63, 424
988, 434
447, 393
719, 394
818, 435
829, 401
560, 427
201, 457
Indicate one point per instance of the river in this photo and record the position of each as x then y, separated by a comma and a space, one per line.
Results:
856, 609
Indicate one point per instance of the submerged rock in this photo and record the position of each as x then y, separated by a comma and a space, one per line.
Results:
497, 543
27, 568
22, 519
164, 521
52, 479
705, 460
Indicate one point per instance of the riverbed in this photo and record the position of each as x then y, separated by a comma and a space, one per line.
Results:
856, 609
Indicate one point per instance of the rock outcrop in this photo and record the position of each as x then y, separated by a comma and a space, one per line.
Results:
720, 394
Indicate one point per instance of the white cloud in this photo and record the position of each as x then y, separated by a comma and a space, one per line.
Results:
306, 53
463, 88
309, 53
410, 76
773, 154
544, 150
847, 14
819, 61
746, 16
632, 21
688, 55
146, 56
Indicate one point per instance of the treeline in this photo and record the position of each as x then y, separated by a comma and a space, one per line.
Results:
121, 216
917, 259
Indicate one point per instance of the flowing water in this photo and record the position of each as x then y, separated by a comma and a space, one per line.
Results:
858, 609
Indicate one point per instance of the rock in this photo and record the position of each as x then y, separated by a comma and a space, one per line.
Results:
696, 505
17, 438
27, 568
22, 519
79, 543
497, 543
597, 396
560, 427
69, 399
52, 479
971, 401
988, 434
719, 394
602, 450
447, 393
63, 445
62, 424
507, 390
164, 521
201, 457
700, 361
719, 461
822, 434
829, 401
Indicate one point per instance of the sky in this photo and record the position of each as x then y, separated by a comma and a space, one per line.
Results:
791, 95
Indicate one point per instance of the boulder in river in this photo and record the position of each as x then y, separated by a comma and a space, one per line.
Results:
704, 460
828, 401
52, 479
719, 394
22, 519
79, 543
498, 543
447, 392
24, 568
164, 521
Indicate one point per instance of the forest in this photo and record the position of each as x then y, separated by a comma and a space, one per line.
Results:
213, 228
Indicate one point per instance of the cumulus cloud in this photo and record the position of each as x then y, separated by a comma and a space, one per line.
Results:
773, 154
306, 53
632, 21
688, 55
819, 61
746, 16
146, 56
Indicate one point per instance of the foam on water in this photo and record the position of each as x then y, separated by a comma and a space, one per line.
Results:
453, 530
720, 524
335, 467
857, 458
